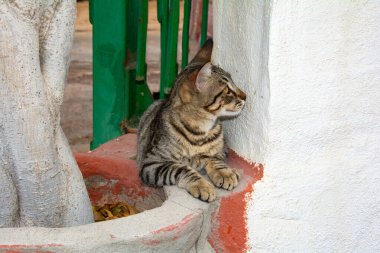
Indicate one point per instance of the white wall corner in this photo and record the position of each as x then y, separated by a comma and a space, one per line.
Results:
238, 50
321, 178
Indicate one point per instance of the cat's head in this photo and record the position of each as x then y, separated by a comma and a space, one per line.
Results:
209, 87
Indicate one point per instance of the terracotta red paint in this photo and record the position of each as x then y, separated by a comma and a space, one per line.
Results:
178, 225
151, 242
19, 248
229, 229
114, 163
111, 168
22, 246
230, 234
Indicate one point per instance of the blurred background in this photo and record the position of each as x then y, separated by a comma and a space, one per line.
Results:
76, 111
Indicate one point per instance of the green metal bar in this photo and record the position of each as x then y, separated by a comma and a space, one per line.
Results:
141, 40
204, 21
185, 33
137, 94
159, 10
120, 92
91, 10
163, 6
109, 50
132, 26
171, 53
142, 95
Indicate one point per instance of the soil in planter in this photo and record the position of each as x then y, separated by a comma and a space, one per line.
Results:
113, 211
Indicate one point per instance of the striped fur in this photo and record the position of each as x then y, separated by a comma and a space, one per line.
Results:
182, 135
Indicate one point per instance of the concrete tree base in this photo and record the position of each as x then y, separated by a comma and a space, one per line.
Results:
171, 220
40, 182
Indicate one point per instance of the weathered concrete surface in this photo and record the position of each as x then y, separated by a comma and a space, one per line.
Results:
180, 224
169, 228
39, 175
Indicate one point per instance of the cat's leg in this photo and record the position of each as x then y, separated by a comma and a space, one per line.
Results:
220, 173
197, 186
172, 173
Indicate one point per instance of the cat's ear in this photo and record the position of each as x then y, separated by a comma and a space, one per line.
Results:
203, 76
204, 54
196, 82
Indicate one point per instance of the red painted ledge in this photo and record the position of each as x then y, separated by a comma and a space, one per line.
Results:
229, 232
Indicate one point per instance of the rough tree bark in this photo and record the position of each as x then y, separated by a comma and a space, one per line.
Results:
40, 183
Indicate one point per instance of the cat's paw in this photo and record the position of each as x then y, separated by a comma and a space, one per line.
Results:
225, 178
202, 190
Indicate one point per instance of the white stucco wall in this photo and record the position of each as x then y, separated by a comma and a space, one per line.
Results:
321, 185
246, 58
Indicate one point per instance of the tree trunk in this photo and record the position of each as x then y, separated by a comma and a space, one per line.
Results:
40, 182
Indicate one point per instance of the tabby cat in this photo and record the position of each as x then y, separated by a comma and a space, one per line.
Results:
182, 135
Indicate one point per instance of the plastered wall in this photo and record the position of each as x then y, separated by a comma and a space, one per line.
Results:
312, 73
246, 58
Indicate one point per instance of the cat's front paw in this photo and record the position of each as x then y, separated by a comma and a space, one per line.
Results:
202, 190
226, 178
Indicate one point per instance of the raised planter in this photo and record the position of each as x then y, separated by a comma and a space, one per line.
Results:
170, 219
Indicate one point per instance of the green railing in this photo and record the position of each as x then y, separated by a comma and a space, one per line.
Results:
120, 90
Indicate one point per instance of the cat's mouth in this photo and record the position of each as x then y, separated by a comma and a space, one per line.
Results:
229, 114
238, 107
232, 113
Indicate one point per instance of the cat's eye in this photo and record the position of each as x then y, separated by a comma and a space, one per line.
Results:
225, 79
226, 90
